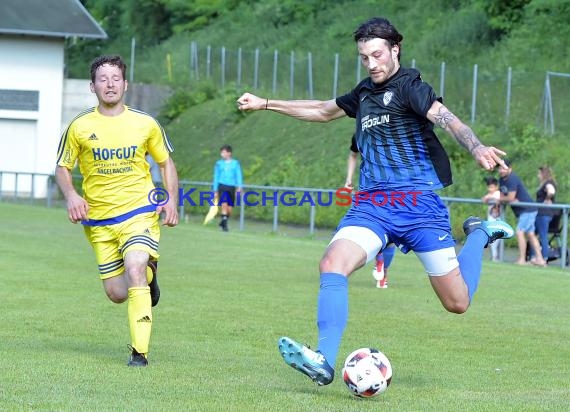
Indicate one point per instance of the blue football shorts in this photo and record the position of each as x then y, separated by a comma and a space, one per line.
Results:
419, 223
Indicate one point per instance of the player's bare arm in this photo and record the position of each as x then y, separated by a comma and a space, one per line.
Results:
487, 156
170, 179
307, 110
351, 167
77, 207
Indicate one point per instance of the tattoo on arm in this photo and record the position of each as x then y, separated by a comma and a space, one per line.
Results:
464, 135
443, 117
466, 138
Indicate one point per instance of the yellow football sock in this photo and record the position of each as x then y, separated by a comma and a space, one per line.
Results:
140, 318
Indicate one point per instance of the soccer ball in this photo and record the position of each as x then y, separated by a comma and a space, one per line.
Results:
367, 372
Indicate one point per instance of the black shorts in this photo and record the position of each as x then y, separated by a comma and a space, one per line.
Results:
226, 194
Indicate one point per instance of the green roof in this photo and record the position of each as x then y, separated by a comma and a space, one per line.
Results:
50, 18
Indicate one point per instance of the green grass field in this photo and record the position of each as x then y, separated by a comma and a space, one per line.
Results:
228, 297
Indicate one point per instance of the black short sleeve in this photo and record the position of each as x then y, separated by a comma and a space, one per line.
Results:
350, 101
353, 145
421, 96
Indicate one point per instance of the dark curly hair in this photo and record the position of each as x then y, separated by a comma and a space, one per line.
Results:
379, 27
112, 60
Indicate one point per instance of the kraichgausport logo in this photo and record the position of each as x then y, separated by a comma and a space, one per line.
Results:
338, 197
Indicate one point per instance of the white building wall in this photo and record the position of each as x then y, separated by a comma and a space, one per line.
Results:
77, 96
29, 139
28, 63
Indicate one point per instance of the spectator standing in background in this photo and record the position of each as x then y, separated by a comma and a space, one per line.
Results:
513, 190
228, 180
545, 194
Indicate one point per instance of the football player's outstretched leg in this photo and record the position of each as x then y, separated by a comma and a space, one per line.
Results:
402, 159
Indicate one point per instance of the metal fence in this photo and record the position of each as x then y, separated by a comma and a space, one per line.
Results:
48, 194
28, 187
476, 92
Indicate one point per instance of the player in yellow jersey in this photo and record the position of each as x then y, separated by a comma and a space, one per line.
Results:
119, 209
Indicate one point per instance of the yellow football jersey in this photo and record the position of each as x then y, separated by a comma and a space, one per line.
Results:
111, 154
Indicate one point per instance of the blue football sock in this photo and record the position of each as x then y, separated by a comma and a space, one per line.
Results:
388, 254
471, 259
332, 314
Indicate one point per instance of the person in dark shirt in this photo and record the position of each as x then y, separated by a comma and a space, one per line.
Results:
513, 190
546, 194
403, 163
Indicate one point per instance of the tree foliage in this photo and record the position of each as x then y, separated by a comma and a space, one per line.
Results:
504, 15
153, 21
451, 30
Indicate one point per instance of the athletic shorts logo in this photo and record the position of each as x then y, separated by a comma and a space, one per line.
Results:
442, 237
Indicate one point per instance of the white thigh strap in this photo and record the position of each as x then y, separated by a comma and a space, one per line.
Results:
439, 262
363, 237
